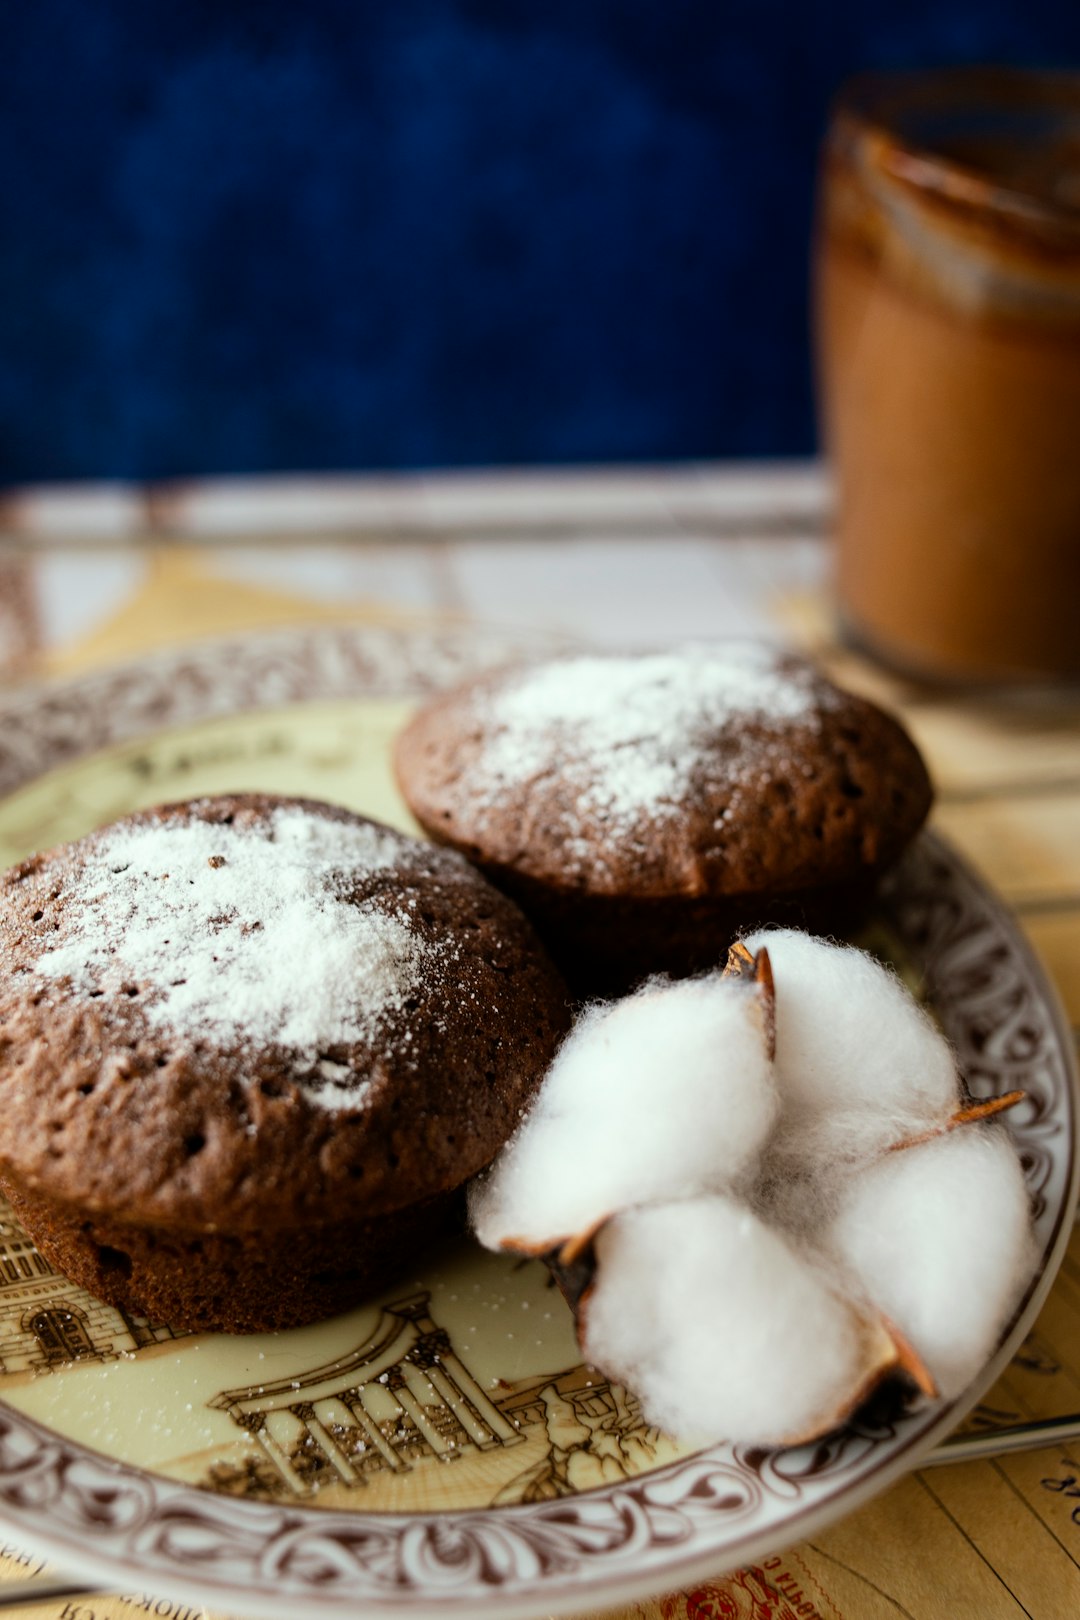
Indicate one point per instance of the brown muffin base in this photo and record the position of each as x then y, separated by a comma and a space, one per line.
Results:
605, 945
215, 1282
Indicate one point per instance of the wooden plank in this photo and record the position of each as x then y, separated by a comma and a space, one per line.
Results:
1034, 1566
985, 749
1028, 848
1056, 937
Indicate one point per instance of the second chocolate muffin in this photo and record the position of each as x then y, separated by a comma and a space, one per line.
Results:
249, 1049
644, 809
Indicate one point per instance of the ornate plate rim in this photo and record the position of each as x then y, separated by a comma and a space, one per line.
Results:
611, 1544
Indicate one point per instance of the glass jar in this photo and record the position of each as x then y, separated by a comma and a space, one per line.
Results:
948, 333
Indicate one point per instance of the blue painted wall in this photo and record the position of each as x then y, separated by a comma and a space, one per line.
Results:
254, 236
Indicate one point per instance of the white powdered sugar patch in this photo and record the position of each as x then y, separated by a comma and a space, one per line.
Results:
240, 933
629, 734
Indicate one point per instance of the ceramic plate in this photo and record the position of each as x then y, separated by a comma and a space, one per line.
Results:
441, 1449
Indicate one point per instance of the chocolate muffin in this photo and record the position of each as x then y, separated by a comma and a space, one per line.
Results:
250, 1048
642, 810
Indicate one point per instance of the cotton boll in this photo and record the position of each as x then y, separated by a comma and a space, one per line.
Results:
722, 1328
859, 1065
667, 1092
939, 1237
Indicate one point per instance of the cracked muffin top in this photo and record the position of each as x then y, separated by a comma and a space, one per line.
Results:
713, 771
246, 1011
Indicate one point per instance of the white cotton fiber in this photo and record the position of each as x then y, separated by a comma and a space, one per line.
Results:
939, 1238
721, 1327
859, 1065
758, 1223
666, 1093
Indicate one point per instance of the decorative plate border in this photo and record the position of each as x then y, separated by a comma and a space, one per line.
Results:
720, 1508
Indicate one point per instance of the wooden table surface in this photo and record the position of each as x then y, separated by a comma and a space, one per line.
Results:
94, 576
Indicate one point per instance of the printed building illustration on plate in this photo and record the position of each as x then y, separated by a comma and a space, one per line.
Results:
401, 1395
403, 1401
47, 1322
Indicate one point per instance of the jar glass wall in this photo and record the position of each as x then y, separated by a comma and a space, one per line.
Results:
947, 292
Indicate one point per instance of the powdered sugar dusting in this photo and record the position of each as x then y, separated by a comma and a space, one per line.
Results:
241, 933
628, 734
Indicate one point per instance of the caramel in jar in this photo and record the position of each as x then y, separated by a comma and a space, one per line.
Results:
948, 324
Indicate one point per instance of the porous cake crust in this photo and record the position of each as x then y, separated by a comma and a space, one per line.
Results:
643, 810
223, 1138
